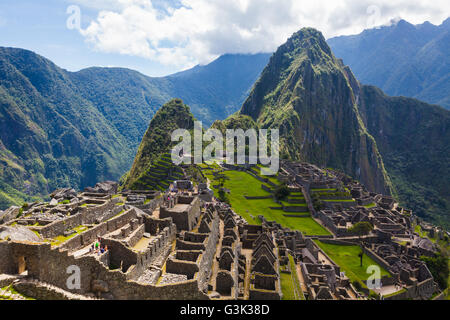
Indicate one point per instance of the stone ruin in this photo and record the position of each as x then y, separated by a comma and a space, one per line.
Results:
179, 246
153, 246
393, 227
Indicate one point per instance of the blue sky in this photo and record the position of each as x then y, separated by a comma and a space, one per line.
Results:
40, 26
158, 37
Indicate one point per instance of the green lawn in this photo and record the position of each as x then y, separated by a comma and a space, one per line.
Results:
425, 234
243, 184
61, 239
287, 286
290, 283
347, 258
287, 204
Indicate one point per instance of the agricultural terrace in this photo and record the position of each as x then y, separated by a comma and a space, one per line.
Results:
241, 184
347, 257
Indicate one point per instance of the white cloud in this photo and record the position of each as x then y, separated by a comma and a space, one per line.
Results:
187, 32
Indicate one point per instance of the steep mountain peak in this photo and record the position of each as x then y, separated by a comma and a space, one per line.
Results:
307, 40
306, 49
311, 97
156, 142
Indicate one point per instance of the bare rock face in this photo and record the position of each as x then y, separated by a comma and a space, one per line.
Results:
423, 243
109, 187
18, 233
9, 214
64, 194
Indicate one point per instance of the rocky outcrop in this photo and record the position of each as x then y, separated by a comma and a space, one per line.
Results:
64, 194
18, 233
109, 187
9, 214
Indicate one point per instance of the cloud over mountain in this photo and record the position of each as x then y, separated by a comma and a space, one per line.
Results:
187, 32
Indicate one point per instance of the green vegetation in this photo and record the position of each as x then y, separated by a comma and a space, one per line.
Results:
64, 139
383, 148
79, 128
61, 239
287, 286
317, 203
347, 257
153, 167
281, 192
423, 187
242, 184
439, 268
420, 71
290, 284
11, 290
274, 104
395, 293
361, 228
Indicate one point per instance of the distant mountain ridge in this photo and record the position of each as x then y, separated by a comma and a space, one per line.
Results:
402, 59
60, 128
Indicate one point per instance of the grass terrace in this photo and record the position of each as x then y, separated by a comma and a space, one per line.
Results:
290, 284
340, 200
347, 258
242, 184
61, 239
323, 190
157, 176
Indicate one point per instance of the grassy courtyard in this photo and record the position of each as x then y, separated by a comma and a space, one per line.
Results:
242, 184
347, 258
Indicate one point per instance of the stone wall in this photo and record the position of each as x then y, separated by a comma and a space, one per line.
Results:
85, 216
39, 291
136, 235
91, 235
176, 266
6, 263
423, 290
377, 259
258, 294
295, 209
210, 250
119, 254
184, 220
50, 266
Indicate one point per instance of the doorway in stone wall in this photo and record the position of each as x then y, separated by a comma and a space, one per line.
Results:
22, 265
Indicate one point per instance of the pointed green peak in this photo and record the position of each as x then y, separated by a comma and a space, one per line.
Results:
156, 144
